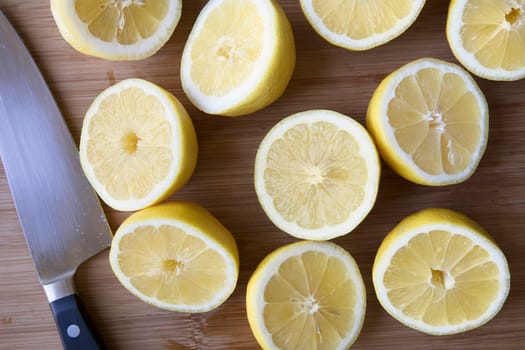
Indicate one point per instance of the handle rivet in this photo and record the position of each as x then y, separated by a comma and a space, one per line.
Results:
73, 331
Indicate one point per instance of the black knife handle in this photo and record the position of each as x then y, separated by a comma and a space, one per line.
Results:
73, 324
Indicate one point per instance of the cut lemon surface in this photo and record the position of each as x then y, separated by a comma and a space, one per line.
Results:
429, 120
440, 273
116, 29
176, 256
488, 37
361, 24
138, 145
306, 295
239, 56
317, 174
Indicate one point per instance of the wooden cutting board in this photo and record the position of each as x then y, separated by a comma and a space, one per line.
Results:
325, 77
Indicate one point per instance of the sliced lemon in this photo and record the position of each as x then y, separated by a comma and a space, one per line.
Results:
429, 120
488, 37
116, 29
138, 145
317, 174
176, 256
239, 56
306, 295
358, 24
439, 272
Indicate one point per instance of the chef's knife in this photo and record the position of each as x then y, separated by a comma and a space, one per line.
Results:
59, 213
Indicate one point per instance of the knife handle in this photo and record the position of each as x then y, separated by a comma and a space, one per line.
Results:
73, 324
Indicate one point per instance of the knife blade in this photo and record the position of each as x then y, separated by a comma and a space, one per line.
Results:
59, 212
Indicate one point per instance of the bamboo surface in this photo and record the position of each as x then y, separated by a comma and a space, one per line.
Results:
325, 77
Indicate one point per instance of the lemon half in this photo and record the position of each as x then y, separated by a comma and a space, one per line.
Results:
239, 56
430, 121
138, 145
116, 29
488, 37
306, 295
361, 24
176, 256
317, 174
441, 273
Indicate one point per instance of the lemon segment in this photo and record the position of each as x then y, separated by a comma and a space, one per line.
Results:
117, 29
138, 145
488, 37
306, 295
176, 256
439, 272
361, 25
239, 56
317, 174
430, 122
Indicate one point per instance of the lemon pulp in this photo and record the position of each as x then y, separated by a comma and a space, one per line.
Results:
312, 307
361, 19
225, 52
306, 295
442, 279
174, 267
132, 127
176, 256
487, 37
358, 24
436, 121
439, 272
116, 29
123, 21
315, 175
494, 33
430, 122
138, 145
239, 56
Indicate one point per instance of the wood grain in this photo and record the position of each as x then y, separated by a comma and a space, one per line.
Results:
325, 77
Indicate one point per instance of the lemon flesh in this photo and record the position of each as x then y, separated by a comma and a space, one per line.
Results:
224, 53
436, 120
316, 174
430, 121
125, 22
361, 25
117, 29
307, 295
176, 256
170, 265
488, 37
320, 181
239, 57
138, 145
440, 273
